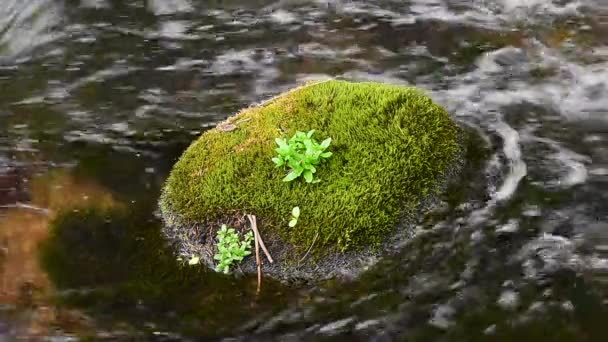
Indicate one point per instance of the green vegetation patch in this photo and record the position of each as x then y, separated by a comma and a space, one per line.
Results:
230, 248
390, 148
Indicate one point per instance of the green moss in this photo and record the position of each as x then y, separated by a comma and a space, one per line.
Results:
390, 147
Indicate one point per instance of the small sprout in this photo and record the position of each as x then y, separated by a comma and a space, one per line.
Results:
301, 154
295, 215
231, 248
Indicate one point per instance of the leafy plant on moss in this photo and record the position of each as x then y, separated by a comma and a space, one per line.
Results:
295, 215
231, 248
302, 154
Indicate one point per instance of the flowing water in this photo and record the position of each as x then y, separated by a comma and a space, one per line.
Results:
99, 97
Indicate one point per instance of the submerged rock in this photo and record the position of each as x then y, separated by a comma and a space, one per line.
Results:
393, 149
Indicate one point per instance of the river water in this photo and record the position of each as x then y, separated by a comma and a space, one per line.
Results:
98, 98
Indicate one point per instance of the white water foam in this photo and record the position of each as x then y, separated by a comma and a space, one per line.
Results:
567, 160
517, 167
26, 25
166, 7
475, 98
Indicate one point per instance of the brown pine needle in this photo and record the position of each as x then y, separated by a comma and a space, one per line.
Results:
309, 248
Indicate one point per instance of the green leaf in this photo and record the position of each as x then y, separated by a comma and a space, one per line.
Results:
308, 176
302, 154
325, 143
295, 212
293, 164
309, 146
291, 176
293, 223
282, 143
306, 166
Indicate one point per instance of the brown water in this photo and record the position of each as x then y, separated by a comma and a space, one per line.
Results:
99, 97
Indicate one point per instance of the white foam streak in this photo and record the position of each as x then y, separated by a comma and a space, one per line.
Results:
25, 25
517, 167
165, 7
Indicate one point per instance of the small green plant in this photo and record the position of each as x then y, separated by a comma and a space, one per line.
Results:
230, 248
302, 154
295, 214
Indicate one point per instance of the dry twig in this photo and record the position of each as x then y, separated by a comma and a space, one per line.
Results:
254, 226
242, 121
257, 253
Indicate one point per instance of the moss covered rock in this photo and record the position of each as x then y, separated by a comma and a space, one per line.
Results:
392, 148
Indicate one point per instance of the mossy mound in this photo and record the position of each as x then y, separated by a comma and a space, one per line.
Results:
392, 148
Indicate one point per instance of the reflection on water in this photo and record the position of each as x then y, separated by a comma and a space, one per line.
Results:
114, 91
76, 244
25, 287
124, 272
21, 233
